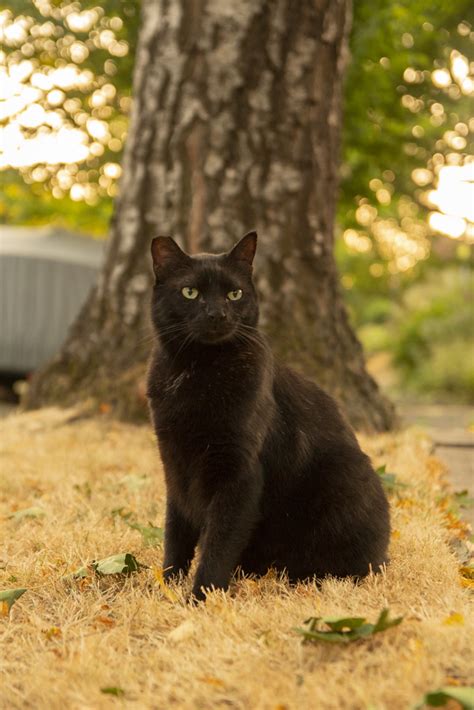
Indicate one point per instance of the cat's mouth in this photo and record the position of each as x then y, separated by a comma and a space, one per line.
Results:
216, 334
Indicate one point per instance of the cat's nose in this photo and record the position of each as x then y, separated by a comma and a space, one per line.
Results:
216, 315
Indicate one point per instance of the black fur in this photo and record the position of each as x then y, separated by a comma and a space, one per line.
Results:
261, 468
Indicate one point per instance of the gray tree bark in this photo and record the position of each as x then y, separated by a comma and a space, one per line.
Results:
236, 125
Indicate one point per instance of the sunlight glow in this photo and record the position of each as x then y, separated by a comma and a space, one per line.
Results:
422, 176
357, 242
82, 21
441, 78
454, 197
402, 249
452, 226
459, 66
67, 145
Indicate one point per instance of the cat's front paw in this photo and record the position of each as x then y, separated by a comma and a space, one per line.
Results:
173, 575
200, 591
198, 595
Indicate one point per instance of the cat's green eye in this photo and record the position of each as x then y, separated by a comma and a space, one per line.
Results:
235, 295
190, 293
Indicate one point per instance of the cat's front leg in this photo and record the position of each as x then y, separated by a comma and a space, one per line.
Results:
231, 519
180, 542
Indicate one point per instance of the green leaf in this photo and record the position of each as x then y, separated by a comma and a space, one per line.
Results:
352, 622
9, 596
463, 499
383, 622
439, 698
134, 482
78, 574
122, 513
83, 488
345, 629
326, 636
389, 480
117, 564
113, 690
152, 535
33, 512
125, 563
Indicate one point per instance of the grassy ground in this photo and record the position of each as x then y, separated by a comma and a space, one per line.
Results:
64, 642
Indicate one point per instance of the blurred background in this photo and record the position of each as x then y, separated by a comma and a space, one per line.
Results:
406, 205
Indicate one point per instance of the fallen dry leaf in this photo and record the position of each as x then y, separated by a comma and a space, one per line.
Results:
52, 632
106, 620
454, 619
166, 591
466, 576
182, 632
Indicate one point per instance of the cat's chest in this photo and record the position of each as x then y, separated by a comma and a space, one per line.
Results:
192, 383
204, 391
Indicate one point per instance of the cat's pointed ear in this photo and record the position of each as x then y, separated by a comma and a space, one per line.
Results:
245, 249
165, 251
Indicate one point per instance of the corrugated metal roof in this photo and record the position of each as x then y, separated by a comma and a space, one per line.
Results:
50, 243
45, 276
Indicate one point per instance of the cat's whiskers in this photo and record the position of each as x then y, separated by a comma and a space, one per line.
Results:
171, 328
187, 341
171, 333
145, 339
150, 337
249, 335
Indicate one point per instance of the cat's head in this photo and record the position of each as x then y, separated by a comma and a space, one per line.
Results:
206, 298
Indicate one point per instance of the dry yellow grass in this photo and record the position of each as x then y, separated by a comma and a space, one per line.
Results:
62, 643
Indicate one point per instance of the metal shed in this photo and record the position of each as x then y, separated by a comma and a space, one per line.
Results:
45, 276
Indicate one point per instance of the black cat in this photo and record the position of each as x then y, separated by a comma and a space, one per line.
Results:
261, 468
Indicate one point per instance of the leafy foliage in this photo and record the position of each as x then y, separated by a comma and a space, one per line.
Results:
397, 121
99, 43
400, 122
429, 335
76, 61
345, 630
35, 204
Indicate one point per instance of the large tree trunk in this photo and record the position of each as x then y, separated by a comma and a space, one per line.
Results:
236, 125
